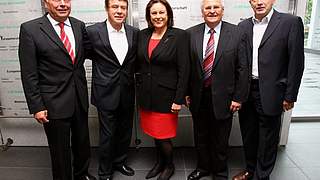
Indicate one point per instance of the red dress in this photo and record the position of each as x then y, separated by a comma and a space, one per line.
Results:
155, 124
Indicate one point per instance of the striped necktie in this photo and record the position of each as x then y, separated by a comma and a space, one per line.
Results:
67, 44
208, 60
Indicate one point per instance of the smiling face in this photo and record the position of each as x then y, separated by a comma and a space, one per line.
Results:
261, 8
59, 10
117, 12
158, 15
212, 12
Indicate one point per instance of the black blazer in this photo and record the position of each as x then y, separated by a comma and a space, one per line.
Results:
230, 70
162, 79
112, 83
50, 80
281, 60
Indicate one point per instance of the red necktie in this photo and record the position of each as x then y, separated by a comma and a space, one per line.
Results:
208, 60
64, 38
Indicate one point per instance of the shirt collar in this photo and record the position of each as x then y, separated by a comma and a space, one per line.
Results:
111, 29
266, 19
54, 22
217, 29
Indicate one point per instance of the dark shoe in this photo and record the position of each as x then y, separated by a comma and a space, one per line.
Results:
157, 168
87, 177
125, 170
106, 178
197, 174
244, 175
167, 172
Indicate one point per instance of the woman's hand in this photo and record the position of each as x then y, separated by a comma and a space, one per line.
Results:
175, 108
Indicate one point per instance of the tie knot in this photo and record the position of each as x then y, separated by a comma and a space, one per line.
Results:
212, 31
61, 25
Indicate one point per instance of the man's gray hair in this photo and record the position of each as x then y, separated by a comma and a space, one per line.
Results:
222, 3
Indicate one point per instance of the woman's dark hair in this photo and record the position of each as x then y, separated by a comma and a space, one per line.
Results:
168, 8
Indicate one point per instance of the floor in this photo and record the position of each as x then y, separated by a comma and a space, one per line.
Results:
299, 160
307, 104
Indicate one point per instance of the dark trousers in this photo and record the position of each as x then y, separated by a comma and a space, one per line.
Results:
115, 137
58, 135
260, 135
211, 137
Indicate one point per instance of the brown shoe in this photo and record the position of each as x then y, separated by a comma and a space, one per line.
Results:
243, 175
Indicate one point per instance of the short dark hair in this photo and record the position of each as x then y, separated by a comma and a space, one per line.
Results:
168, 8
106, 3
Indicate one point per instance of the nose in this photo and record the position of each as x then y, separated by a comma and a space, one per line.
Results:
259, 1
212, 9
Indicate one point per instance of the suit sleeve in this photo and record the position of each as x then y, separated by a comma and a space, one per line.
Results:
29, 71
183, 67
296, 59
242, 71
88, 48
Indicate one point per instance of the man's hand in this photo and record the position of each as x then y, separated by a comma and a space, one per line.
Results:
287, 105
175, 108
188, 101
235, 106
41, 116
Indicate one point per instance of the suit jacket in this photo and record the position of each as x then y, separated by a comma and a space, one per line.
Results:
229, 71
112, 83
162, 78
280, 61
50, 80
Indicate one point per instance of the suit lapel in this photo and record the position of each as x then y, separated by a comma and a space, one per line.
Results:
250, 32
274, 22
199, 42
146, 40
47, 28
76, 28
129, 34
161, 46
224, 38
104, 36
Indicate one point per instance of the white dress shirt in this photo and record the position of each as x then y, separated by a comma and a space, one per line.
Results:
259, 28
67, 30
206, 37
118, 41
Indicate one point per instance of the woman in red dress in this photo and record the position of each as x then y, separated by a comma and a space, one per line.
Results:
163, 70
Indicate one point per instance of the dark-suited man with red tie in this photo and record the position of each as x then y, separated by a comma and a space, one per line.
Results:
51, 55
275, 49
218, 86
113, 53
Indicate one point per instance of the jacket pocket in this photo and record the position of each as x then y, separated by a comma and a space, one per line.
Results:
168, 84
101, 82
48, 88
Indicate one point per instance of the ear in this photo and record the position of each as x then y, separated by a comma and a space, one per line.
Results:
45, 3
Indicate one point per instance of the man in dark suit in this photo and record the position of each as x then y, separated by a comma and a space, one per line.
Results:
218, 86
113, 53
51, 55
276, 62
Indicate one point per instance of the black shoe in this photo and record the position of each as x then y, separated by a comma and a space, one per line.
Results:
197, 174
125, 170
106, 178
87, 177
157, 168
167, 172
